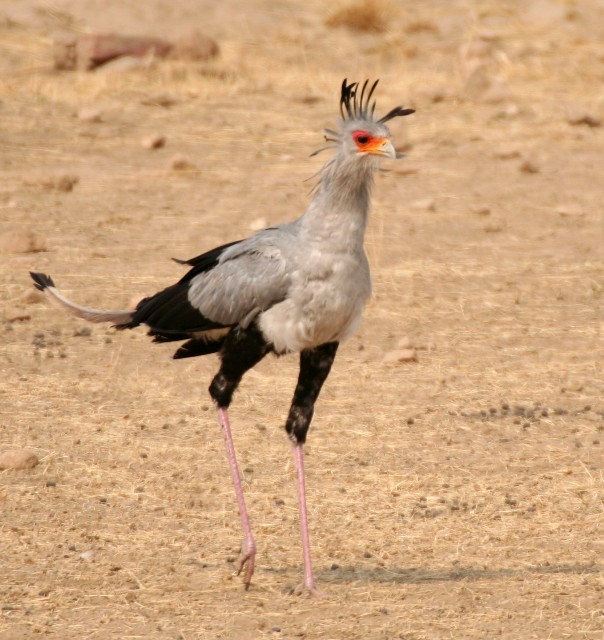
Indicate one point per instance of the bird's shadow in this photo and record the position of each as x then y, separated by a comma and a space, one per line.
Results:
457, 574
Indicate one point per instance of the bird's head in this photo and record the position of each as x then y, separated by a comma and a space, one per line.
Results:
361, 135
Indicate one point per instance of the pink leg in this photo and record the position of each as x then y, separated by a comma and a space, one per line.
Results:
309, 581
248, 547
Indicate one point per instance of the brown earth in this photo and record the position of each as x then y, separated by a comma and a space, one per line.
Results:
435, 511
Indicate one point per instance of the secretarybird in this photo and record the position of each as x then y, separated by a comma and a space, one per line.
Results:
297, 287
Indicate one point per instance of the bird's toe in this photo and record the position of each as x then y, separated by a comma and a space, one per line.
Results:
246, 563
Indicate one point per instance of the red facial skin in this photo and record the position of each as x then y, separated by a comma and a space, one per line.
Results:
366, 143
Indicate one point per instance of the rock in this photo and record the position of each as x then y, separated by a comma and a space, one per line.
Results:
570, 211
400, 355
89, 114
62, 182
528, 166
18, 459
21, 242
480, 209
16, 315
96, 49
425, 204
180, 162
119, 52
507, 153
160, 100
581, 117
154, 141
126, 63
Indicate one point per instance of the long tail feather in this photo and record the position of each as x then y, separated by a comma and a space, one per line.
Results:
45, 284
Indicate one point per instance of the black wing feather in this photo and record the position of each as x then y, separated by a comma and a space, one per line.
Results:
204, 262
169, 314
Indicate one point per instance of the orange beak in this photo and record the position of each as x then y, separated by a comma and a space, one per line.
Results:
380, 147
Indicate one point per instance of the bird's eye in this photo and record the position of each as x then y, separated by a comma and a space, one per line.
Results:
361, 137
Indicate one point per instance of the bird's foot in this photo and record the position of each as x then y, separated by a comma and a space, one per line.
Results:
247, 561
309, 590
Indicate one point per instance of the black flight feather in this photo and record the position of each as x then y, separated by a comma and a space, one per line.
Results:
169, 313
194, 348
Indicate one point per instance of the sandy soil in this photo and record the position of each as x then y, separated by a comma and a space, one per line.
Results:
459, 496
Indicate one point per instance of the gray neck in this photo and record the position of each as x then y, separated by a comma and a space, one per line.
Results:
339, 209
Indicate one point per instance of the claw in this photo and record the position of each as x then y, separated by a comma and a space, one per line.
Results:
309, 591
247, 561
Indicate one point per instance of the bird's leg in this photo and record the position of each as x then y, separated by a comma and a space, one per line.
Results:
242, 349
315, 365
248, 547
309, 581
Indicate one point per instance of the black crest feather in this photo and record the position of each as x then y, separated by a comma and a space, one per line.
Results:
354, 106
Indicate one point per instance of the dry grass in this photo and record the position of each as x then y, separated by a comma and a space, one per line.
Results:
435, 511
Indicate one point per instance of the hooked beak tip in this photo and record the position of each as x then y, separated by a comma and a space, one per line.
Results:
387, 149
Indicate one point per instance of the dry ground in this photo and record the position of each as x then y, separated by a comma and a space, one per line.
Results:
435, 512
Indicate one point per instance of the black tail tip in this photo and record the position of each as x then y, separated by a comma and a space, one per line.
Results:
41, 281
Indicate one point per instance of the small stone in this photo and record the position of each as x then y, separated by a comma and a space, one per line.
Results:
18, 459
21, 242
180, 162
580, 117
64, 183
570, 211
153, 141
528, 166
400, 355
96, 49
425, 204
126, 63
480, 209
16, 315
160, 100
87, 555
89, 114
507, 153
